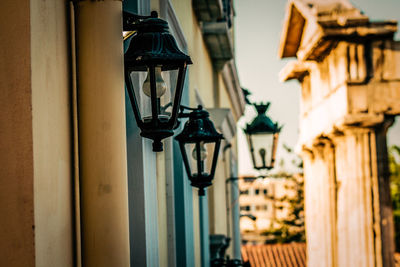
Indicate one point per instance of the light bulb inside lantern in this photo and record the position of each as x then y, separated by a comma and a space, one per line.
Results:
203, 152
161, 86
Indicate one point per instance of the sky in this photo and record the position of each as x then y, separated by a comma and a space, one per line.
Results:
258, 26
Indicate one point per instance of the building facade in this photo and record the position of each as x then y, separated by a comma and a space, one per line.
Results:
262, 206
80, 186
348, 69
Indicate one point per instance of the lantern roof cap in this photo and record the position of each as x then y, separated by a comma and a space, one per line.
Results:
262, 123
199, 128
153, 44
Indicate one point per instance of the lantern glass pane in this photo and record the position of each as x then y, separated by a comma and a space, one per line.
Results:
262, 145
137, 80
206, 157
171, 78
165, 91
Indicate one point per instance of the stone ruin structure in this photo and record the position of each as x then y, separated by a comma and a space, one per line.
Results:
349, 71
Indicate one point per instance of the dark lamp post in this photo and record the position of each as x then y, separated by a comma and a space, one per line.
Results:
262, 136
154, 75
250, 216
199, 143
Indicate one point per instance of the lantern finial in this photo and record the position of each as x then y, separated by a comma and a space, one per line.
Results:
262, 108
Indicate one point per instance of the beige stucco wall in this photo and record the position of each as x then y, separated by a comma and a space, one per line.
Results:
213, 93
224, 101
52, 141
16, 157
220, 196
201, 72
219, 193
217, 199
201, 84
35, 198
200, 80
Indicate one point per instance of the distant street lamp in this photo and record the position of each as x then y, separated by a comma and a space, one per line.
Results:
154, 75
199, 142
262, 136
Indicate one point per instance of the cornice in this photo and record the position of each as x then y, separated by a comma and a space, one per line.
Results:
231, 80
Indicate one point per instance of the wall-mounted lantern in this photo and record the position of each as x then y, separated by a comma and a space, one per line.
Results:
154, 75
199, 142
262, 136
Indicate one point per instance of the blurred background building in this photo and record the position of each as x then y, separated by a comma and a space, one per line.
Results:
347, 66
262, 199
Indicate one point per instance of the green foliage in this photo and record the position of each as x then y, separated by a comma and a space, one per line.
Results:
291, 228
394, 166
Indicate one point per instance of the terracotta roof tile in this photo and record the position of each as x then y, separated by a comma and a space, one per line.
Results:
275, 255
397, 259
281, 255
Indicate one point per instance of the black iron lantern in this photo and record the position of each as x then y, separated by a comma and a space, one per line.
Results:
262, 136
199, 142
155, 70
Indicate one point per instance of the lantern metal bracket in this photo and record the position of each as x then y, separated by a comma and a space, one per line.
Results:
187, 115
183, 115
130, 20
232, 179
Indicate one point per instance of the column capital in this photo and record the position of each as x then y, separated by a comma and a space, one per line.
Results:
381, 125
317, 147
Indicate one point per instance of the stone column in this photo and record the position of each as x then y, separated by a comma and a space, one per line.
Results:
349, 74
102, 134
364, 222
320, 208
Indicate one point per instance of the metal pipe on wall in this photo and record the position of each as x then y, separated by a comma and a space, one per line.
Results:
74, 110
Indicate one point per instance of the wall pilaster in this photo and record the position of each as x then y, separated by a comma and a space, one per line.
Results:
102, 134
17, 229
320, 207
364, 221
